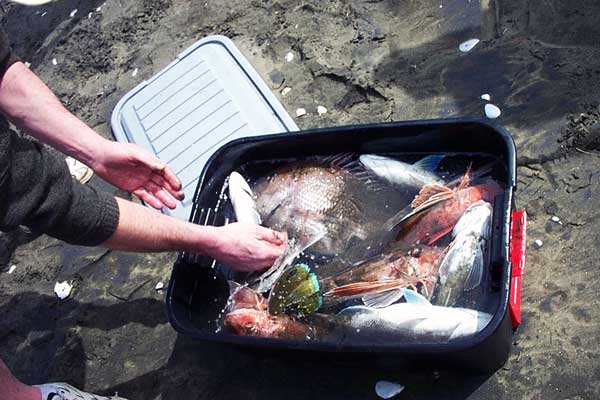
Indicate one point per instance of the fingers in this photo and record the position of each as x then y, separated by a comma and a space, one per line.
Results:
148, 198
271, 236
159, 194
160, 181
164, 171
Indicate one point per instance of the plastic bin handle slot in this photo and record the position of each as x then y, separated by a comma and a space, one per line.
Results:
518, 244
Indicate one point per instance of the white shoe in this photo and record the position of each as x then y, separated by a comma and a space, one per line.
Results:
64, 391
79, 170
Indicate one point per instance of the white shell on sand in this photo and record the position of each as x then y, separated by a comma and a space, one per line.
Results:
32, 2
321, 110
134, 73
486, 97
54, 61
289, 57
286, 90
73, 13
159, 286
300, 112
387, 390
468, 45
63, 289
12, 269
491, 111
538, 244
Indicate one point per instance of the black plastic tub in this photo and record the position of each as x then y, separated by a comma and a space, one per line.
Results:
196, 285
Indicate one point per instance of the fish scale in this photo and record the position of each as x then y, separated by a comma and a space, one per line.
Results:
307, 198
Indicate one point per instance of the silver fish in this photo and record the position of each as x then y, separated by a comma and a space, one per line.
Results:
243, 200
462, 267
306, 198
442, 323
400, 173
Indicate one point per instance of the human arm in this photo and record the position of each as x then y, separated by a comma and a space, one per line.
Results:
242, 246
29, 104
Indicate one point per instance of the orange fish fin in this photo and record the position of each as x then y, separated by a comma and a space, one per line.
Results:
434, 238
431, 193
466, 179
359, 288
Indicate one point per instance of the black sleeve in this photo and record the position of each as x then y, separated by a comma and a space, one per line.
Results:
37, 190
6, 56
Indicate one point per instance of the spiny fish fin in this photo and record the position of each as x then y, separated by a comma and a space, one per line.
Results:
475, 276
429, 163
400, 219
296, 290
444, 269
382, 299
342, 160
414, 297
434, 238
358, 288
466, 179
431, 192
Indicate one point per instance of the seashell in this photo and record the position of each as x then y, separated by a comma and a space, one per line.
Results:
387, 390
491, 111
63, 289
468, 45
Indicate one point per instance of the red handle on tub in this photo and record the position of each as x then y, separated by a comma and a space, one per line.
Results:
518, 244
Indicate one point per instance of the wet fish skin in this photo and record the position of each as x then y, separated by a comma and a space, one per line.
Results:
306, 198
400, 266
462, 267
442, 323
244, 297
401, 173
260, 323
440, 219
243, 200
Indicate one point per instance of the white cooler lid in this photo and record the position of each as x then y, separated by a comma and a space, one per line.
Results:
207, 97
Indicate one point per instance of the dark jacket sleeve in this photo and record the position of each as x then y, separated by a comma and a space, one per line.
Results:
7, 58
37, 190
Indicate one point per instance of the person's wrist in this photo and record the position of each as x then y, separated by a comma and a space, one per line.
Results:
202, 240
97, 153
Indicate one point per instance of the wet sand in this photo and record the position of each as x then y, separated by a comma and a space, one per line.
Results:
365, 61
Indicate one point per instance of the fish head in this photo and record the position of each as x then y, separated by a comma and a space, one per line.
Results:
246, 321
486, 191
272, 192
243, 297
474, 220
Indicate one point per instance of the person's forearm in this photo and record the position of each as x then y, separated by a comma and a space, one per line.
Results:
143, 229
29, 104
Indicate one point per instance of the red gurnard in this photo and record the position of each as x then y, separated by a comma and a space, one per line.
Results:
438, 208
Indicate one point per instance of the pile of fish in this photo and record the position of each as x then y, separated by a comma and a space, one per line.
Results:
429, 255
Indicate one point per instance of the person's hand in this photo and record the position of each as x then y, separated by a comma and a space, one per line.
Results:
248, 247
133, 169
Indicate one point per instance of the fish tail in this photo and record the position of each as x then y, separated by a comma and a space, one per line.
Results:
295, 292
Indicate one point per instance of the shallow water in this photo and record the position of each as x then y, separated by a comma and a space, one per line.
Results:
378, 201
